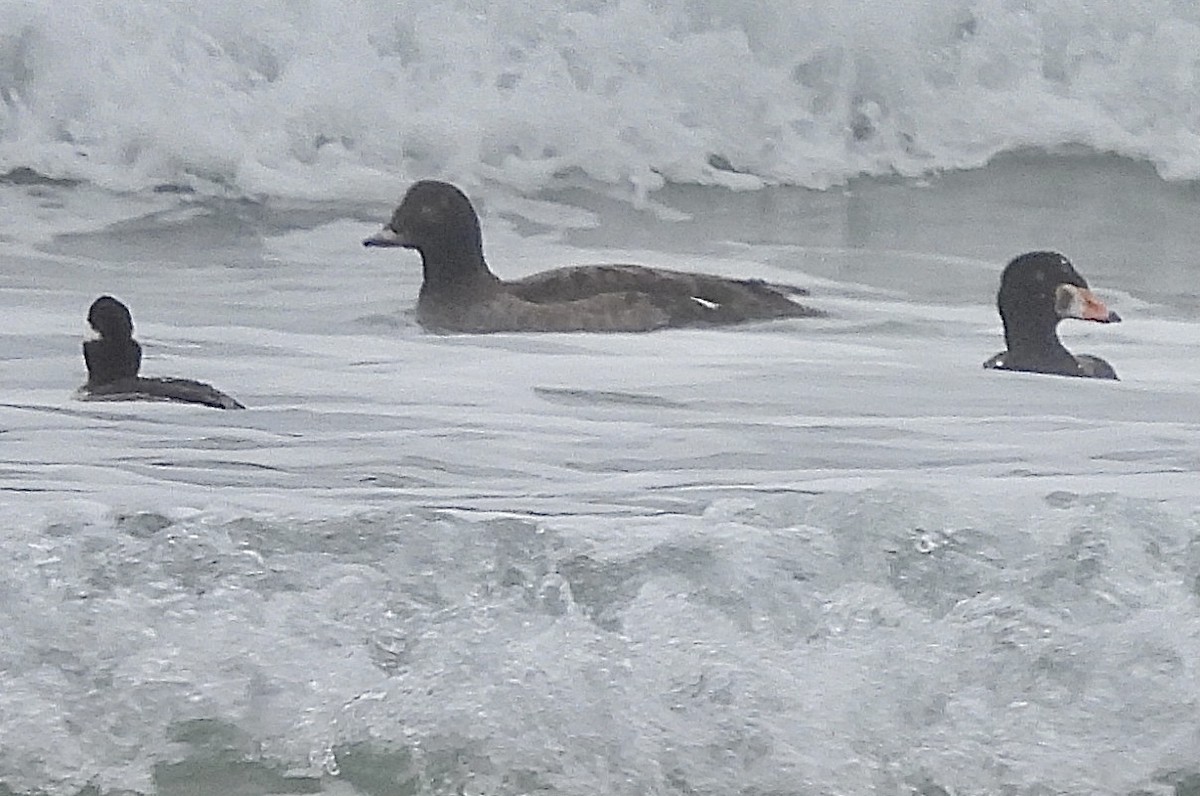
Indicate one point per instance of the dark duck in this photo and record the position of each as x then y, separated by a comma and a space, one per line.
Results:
459, 293
113, 361
1037, 290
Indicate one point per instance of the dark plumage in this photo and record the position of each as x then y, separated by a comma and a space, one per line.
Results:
461, 294
1037, 290
116, 355
114, 359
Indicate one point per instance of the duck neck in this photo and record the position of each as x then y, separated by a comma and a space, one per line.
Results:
110, 360
455, 271
1036, 340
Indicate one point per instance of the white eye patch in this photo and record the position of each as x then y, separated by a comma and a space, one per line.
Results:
1066, 299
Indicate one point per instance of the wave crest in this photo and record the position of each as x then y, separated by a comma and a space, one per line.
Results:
355, 98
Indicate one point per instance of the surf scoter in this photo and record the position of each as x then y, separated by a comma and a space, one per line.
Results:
1037, 290
113, 361
461, 294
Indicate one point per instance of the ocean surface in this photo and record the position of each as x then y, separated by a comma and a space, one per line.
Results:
802, 558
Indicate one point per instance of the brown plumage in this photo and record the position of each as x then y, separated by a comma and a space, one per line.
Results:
460, 293
114, 359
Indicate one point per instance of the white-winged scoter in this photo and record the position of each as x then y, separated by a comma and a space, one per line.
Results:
460, 293
113, 361
1037, 290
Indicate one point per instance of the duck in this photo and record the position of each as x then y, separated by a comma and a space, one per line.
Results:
460, 293
114, 358
1037, 290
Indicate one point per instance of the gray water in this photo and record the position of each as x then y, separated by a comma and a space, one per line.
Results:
809, 557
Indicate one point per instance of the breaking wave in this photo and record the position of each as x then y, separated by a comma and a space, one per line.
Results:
355, 98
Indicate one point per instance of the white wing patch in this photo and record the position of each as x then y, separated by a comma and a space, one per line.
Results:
711, 305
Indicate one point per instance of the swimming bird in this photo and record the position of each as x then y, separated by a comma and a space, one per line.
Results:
113, 361
459, 293
1037, 290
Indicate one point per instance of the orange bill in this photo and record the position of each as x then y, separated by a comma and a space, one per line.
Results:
1071, 301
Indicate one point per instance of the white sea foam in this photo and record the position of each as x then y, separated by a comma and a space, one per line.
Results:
827, 555
356, 98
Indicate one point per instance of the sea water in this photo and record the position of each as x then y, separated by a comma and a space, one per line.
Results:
347, 99
817, 556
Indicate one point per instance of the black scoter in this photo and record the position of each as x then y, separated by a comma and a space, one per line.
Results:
113, 361
1037, 290
460, 293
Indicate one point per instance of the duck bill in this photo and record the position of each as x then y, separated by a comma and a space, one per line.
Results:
385, 237
1079, 302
